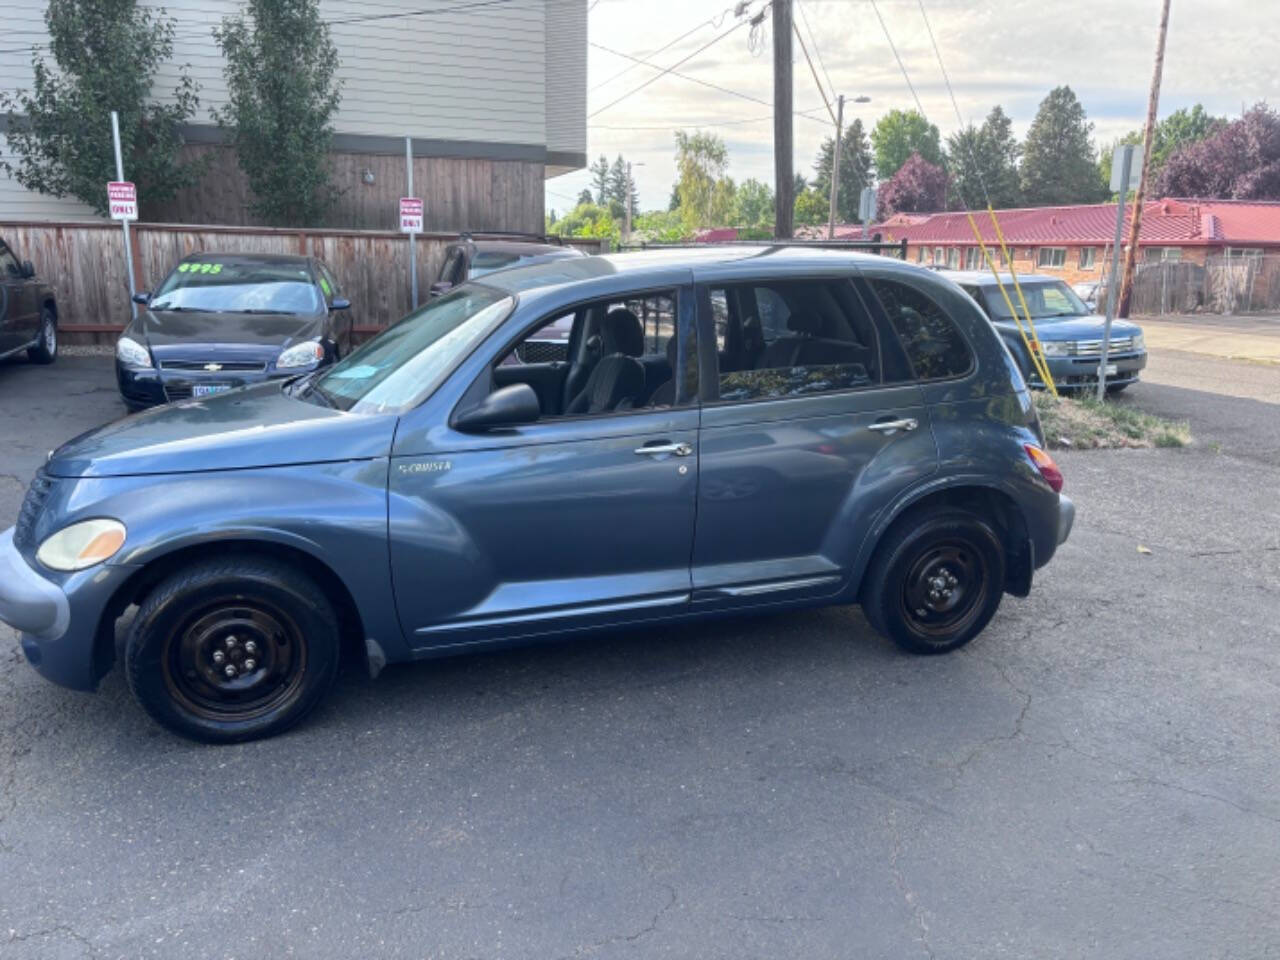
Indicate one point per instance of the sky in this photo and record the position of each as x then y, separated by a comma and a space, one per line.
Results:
1221, 54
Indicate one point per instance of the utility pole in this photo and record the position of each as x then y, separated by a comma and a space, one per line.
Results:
835, 168
783, 175
128, 245
413, 254
1131, 255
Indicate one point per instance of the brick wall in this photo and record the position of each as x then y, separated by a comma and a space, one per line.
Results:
1026, 259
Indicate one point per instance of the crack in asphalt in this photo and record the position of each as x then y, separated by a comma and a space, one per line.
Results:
900, 881
1018, 720
15, 937
644, 931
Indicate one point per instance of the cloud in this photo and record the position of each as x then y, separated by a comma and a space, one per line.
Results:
1219, 53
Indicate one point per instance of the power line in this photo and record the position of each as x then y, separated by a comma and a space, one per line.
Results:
664, 71
685, 76
814, 71
806, 114
665, 46
902, 66
816, 52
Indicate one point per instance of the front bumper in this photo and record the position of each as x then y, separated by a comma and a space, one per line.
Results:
1079, 373
149, 386
58, 620
28, 602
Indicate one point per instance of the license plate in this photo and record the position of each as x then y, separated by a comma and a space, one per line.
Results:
208, 389
1111, 369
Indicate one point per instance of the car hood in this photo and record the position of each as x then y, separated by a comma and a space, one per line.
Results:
258, 426
171, 331
1075, 328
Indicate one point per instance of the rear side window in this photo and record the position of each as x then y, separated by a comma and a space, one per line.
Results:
934, 346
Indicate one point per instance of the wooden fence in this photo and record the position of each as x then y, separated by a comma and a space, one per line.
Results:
85, 264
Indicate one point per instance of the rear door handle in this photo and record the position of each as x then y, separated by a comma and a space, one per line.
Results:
889, 426
679, 449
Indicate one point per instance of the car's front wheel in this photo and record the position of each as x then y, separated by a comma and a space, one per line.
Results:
46, 347
232, 649
935, 580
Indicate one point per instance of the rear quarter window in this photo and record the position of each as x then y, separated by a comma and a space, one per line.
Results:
934, 346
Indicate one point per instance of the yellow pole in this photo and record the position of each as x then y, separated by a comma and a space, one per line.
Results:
1037, 357
1013, 274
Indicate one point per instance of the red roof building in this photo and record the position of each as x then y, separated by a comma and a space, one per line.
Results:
1076, 241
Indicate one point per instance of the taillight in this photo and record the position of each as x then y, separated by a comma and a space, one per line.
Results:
1044, 463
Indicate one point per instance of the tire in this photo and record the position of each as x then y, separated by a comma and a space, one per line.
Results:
46, 348
258, 617
1115, 388
936, 580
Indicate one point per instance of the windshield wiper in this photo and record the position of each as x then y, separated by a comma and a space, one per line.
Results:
282, 313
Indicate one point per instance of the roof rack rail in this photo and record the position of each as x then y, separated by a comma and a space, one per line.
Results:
875, 246
512, 234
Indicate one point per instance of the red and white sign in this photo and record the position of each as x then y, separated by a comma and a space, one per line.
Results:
410, 214
122, 198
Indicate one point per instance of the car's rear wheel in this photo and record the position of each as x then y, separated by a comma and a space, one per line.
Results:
936, 580
232, 649
46, 347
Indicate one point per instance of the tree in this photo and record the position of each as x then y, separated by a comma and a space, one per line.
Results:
855, 170
105, 53
617, 188
1058, 164
918, 187
585, 197
801, 184
600, 179
753, 204
1241, 161
588, 220
1180, 128
983, 163
701, 162
811, 208
673, 203
282, 93
899, 134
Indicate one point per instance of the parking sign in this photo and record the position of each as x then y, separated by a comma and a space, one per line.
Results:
410, 214
122, 200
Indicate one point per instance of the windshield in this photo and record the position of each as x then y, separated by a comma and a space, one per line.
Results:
406, 362
239, 288
1045, 301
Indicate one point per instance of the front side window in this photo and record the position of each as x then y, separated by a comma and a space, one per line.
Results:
406, 362
797, 338
239, 287
9, 263
934, 346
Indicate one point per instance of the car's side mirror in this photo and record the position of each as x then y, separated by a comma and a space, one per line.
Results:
440, 287
28, 269
507, 407
340, 303
142, 296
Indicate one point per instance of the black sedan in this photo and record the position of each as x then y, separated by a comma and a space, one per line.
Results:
220, 321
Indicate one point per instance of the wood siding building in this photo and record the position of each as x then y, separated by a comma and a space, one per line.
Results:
493, 95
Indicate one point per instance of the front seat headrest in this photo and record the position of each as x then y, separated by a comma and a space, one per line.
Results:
622, 333
806, 323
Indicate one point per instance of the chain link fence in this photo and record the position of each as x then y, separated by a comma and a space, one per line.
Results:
1222, 285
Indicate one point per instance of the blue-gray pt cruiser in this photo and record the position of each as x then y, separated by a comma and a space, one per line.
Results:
729, 430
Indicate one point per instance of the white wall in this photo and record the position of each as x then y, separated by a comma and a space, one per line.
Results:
492, 74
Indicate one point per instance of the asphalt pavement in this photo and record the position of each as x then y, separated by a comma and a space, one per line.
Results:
1095, 776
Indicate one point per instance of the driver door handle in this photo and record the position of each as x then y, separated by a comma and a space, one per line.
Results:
679, 449
889, 426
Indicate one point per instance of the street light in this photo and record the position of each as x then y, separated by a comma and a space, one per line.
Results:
835, 164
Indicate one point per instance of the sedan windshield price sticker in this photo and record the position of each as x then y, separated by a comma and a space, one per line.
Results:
122, 199
410, 214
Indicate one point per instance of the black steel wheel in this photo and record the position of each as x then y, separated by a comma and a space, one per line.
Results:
936, 579
46, 347
232, 649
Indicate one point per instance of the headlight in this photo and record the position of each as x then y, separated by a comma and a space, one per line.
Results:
300, 355
1058, 348
82, 544
1138, 342
132, 353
